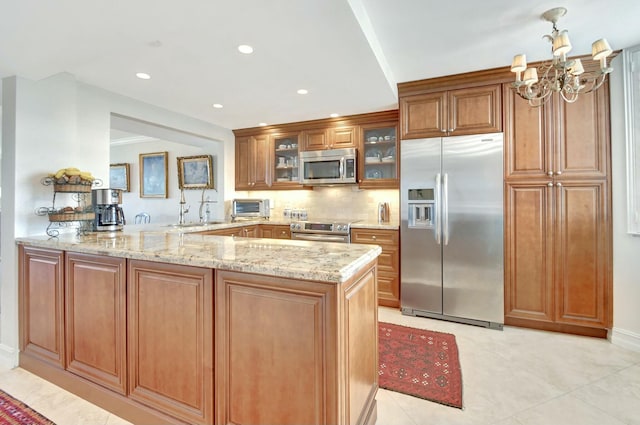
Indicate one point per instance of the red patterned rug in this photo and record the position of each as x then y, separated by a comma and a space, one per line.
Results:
420, 363
15, 412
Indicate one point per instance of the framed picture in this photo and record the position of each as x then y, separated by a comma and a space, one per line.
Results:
195, 172
153, 175
119, 177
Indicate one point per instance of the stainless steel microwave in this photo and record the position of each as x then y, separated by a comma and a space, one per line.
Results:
250, 208
335, 166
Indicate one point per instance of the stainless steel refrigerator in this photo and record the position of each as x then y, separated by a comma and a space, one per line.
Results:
451, 214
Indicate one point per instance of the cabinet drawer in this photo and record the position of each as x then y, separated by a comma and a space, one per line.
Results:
378, 237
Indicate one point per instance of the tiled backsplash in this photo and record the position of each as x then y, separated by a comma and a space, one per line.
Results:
335, 202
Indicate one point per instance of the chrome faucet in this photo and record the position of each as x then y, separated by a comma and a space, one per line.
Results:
183, 209
204, 205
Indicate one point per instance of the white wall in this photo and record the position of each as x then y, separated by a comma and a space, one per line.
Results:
626, 248
56, 123
166, 210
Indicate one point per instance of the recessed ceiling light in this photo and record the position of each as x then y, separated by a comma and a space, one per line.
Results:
262, 124
303, 91
245, 48
217, 105
143, 75
334, 115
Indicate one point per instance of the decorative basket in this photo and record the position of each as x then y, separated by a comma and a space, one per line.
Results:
80, 187
72, 216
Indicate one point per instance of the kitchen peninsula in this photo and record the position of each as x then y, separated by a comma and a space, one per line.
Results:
166, 325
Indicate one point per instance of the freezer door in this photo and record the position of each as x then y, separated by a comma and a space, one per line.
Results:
420, 253
473, 277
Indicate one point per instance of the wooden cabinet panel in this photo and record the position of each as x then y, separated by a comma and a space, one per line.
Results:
583, 136
582, 245
283, 323
314, 140
343, 137
475, 110
317, 345
455, 112
170, 334
330, 138
529, 238
253, 166
96, 319
558, 245
423, 115
274, 231
388, 262
362, 335
528, 148
41, 292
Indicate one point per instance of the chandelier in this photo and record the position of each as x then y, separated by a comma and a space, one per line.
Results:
560, 75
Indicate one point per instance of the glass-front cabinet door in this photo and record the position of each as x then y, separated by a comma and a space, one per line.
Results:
379, 156
285, 160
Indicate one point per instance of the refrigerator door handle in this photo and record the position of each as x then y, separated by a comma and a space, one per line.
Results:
438, 212
445, 208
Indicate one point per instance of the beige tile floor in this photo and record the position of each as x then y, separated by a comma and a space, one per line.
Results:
511, 377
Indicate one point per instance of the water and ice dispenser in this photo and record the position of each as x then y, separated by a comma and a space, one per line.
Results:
421, 203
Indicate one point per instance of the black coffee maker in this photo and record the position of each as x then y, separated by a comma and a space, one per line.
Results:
109, 214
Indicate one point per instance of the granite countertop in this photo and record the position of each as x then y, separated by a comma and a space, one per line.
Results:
327, 262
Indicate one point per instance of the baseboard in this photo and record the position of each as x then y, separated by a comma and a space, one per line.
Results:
8, 357
625, 339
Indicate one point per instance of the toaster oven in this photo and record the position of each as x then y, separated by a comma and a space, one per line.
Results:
250, 208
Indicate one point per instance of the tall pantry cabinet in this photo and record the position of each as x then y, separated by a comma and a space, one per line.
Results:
558, 214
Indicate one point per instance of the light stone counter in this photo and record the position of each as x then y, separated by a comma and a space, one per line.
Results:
327, 262
375, 225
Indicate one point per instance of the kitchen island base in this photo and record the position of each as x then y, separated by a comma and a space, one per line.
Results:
266, 349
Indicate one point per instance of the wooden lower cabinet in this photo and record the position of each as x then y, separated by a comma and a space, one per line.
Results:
388, 262
558, 256
170, 335
315, 342
95, 319
140, 340
41, 306
243, 232
275, 231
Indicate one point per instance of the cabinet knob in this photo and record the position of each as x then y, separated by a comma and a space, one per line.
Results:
549, 173
559, 184
550, 184
443, 130
558, 173
373, 237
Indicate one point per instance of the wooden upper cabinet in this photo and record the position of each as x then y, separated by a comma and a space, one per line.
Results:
423, 115
528, 132
457, 112
314, 140
343, 137
558, 140
253, 166
329, 138
582, 134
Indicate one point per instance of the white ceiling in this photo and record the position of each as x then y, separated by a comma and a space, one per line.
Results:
349, 54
